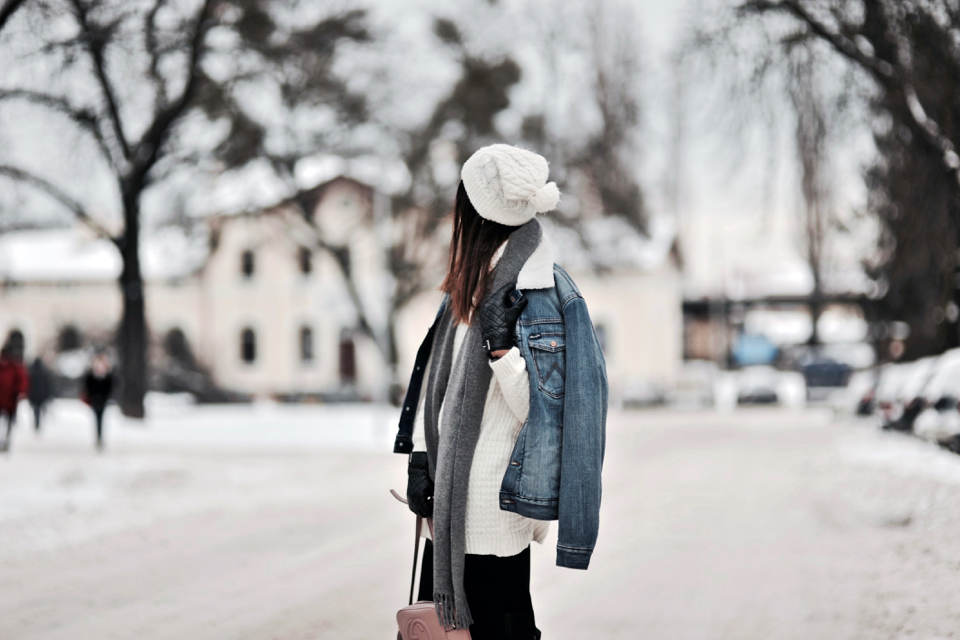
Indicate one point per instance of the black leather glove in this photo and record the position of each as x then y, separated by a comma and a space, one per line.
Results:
498, 317
419, 485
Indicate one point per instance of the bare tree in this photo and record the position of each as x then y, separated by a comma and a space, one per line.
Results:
414, 246
7, 9
172, 48
600, 163
811, 142
908, 52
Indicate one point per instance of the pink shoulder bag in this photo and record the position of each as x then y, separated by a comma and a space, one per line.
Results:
418, 620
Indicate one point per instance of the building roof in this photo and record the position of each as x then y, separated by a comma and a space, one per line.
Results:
75, 255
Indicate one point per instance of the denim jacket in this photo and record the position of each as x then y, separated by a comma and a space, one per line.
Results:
554, 471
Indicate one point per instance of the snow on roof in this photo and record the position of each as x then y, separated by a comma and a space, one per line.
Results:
170, 253
75, 255
57, 255
611, 242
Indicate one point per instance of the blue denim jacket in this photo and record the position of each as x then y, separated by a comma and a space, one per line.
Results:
554, 471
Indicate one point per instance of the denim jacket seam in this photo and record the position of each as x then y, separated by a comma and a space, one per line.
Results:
536, 321
520, 496
573, 295
568, 547
540, 386
523, 432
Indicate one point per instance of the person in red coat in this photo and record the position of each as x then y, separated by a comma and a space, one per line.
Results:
14, 385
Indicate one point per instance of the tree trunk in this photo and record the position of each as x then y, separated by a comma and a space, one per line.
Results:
133, 323
816, 309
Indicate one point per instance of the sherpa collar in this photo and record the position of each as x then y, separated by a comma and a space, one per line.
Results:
537, 271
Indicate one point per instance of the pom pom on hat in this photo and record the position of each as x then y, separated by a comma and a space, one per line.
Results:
508, 184
546, 197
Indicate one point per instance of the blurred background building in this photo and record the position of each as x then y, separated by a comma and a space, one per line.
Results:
257, 308
250, 198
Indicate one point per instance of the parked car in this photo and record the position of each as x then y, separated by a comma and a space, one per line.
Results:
900, 393
861, 394
695, 386
939, 419
825, 376
641, 392
762, 384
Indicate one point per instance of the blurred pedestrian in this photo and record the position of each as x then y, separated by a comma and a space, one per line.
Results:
14, 385
97, 387
485, 435
41, 390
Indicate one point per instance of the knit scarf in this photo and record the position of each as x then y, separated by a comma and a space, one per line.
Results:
459, 384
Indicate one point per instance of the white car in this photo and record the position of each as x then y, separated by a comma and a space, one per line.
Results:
696, 384
761, 384
940, 419
899, 387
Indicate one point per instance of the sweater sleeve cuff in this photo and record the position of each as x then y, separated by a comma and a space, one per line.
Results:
510, 366
511, 373
573, 557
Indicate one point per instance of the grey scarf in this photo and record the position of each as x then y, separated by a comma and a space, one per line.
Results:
451, 453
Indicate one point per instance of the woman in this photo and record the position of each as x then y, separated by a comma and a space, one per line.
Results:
14, 385
97, 387
41, 390
514, 376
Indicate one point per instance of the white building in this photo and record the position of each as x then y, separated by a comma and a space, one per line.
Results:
266, 310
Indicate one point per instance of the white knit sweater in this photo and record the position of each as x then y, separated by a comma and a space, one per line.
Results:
490, 530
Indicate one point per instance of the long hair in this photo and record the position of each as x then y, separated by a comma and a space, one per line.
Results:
475, 241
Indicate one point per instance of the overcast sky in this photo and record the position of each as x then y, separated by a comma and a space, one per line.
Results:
737, 202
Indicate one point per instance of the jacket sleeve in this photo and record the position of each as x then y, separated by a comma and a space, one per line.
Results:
583, 438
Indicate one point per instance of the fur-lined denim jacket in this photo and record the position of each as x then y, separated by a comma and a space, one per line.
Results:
554, 471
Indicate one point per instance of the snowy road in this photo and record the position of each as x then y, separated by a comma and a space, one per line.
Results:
275, 523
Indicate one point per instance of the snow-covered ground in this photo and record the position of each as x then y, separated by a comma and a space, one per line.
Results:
275, 522
55, 489
174, 421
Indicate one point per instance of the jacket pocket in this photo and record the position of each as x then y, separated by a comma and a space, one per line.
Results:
550, 359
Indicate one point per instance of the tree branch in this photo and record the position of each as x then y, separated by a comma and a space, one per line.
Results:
148, 149
8, 9
95, 44
52, 190
352, 290
84, 118
885, 72
304, 220
155, 51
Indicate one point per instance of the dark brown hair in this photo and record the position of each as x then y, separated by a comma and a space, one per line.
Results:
475, 241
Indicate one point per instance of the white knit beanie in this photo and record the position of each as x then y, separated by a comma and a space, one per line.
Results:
508, 184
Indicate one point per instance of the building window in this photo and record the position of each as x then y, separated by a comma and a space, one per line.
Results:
305, 258
69, 339
348, 361
247, 264
248, 346
306, 344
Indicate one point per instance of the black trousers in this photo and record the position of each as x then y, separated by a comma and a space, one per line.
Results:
98, 414
10, 419
498, 592
37, 414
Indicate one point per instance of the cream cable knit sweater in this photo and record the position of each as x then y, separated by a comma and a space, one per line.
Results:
489, 530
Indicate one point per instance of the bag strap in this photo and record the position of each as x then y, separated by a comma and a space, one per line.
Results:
416, 553
416, 543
